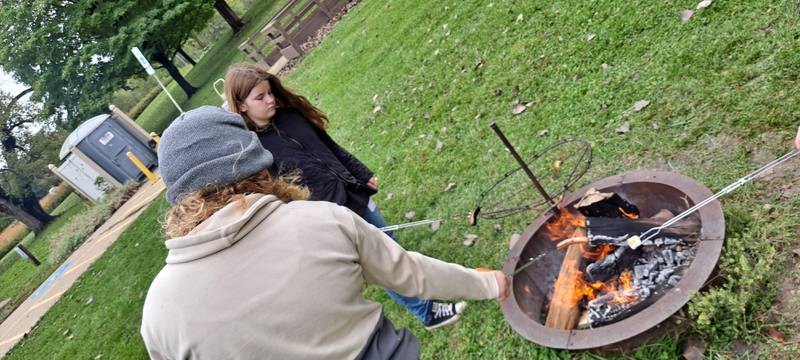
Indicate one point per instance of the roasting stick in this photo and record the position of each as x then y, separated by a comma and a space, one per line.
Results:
635, 241
407, 225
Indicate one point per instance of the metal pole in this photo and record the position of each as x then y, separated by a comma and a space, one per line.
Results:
522, 163
168, 94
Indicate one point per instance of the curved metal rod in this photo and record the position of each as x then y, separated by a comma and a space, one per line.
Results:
652, 232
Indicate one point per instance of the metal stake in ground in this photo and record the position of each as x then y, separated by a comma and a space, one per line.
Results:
521, 162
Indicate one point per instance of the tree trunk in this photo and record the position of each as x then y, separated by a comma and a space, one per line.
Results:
161, 58
31, 221
229, 15
32, 206
186, 56
199, 42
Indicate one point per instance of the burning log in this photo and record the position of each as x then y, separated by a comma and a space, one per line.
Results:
606, 267
564, 312
595, 203
617, 231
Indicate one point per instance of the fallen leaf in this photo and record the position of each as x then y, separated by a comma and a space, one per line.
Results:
796, 251
686, 15
449, 186
513, 240
694, 350
590, 37
443, 130
641, 104
624, 128
439, 145
444, 27
469, 239
655, 126
542, 132
557, 165
427, 116
605, 66
436, 224
519, 109
520, 17
90, 300
377, 109
410, 215
389, 196
498, 227
775, 334
704, 4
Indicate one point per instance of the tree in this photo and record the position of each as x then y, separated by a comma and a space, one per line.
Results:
76, 53
27, 147
229, 15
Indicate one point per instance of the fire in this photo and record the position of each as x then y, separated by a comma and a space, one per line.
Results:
597, 253
566, 224
627, 214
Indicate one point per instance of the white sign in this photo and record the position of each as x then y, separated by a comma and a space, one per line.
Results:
142, 60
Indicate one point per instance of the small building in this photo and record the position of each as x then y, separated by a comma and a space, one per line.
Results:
95, 155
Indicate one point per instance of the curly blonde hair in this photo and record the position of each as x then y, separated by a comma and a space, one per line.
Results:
200, 205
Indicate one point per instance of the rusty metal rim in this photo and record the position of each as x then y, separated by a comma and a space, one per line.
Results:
708, 251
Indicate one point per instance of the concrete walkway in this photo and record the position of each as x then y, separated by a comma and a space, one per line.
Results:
23, 319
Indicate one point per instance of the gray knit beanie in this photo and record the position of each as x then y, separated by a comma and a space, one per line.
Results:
208, 146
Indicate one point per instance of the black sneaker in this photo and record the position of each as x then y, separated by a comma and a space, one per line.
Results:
443, 314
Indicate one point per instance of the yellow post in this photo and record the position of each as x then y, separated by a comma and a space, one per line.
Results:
141, 167
155, 137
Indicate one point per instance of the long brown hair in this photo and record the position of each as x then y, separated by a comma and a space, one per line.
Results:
242, 78
200, 205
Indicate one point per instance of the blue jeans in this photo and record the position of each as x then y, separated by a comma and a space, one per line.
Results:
420, 308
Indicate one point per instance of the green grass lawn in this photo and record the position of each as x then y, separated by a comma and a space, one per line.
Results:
18, 278
723, 99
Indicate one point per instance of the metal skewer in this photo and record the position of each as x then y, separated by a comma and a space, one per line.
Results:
407, 225
652, 232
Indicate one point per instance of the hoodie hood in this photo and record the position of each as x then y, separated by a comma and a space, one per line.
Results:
223, 229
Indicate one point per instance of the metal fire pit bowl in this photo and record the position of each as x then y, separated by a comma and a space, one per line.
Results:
650, 191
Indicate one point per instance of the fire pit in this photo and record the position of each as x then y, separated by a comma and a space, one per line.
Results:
651, 192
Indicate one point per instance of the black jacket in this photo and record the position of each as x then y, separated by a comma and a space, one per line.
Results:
330, 172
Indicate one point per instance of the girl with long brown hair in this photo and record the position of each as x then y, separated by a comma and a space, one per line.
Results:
293, 130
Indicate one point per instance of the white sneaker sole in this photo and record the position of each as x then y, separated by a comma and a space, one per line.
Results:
460, 306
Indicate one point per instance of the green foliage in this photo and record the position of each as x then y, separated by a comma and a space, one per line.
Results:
750, 265
78, 230
76, 54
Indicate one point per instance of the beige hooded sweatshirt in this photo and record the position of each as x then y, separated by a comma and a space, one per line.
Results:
274, 280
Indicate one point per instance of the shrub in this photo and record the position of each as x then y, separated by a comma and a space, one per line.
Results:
73, 234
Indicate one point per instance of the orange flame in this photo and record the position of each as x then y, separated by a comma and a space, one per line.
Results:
598, 252
627, 214
565, 224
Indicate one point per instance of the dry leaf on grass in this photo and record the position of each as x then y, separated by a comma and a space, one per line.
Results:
542, 132
694, 350
624, 128
469, 239
377, 109
436, 224
449, 186
498, 227
590, 37
641, 104
704, 4
410, 215
686, 15
389, 196
439, 145
775, 334
519, 109
557, 165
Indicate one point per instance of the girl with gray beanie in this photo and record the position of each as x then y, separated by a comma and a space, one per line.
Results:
256, 272
293, 130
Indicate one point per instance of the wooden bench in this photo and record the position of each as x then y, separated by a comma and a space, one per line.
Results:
283, 34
